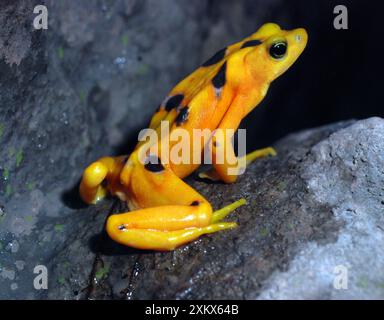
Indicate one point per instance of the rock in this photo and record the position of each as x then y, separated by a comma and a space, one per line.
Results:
345, 173
313, 211
84, 87
80, 90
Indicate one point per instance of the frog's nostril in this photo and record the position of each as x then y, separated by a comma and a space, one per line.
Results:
298, 37
121, 227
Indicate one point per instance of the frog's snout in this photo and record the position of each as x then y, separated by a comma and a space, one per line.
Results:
300, 37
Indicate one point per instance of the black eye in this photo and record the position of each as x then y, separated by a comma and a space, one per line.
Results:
278, 50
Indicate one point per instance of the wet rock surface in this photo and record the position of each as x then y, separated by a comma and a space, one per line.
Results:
77, 91
315, 209
84, 88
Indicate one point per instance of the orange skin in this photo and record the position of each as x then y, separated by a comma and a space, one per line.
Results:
165, 211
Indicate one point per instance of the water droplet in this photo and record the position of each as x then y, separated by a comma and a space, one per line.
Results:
120, 62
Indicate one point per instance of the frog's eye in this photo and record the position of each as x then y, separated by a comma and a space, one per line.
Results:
278, 50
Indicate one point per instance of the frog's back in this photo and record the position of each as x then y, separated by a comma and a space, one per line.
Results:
201, 100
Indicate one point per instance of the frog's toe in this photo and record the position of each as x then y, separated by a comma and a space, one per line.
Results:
260, 153
209, 175
220, 214
91, 189
95, 174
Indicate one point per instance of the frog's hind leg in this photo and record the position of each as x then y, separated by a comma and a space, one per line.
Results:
152, 239
167, 227
99, 177
172, 213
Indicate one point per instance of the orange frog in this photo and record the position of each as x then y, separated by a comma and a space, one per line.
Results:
165, 211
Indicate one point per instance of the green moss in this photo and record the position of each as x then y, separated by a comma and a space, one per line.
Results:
124, 40
8, 190
30, 186
362, 283
266, 205
28, 218
264, 232
61, 280
59, 227
82, 96
6, 174
60, 52
19, 157
142, 69
1, 246
11, 151
281, 186
101, 273
1, 129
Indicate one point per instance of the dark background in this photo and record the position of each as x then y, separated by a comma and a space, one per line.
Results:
338, 77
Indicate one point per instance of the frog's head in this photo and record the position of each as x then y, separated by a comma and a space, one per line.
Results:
277, 50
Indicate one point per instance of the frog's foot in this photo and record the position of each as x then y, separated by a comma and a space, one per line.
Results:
260, 153
97, 176
209, 175
91, 189
249, 158
168, 227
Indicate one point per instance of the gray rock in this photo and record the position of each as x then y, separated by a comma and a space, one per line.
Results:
346, 173
314, 212
80, 90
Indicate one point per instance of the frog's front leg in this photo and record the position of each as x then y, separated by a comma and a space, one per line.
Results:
99, 177
226, 165
213, 175
172, 212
